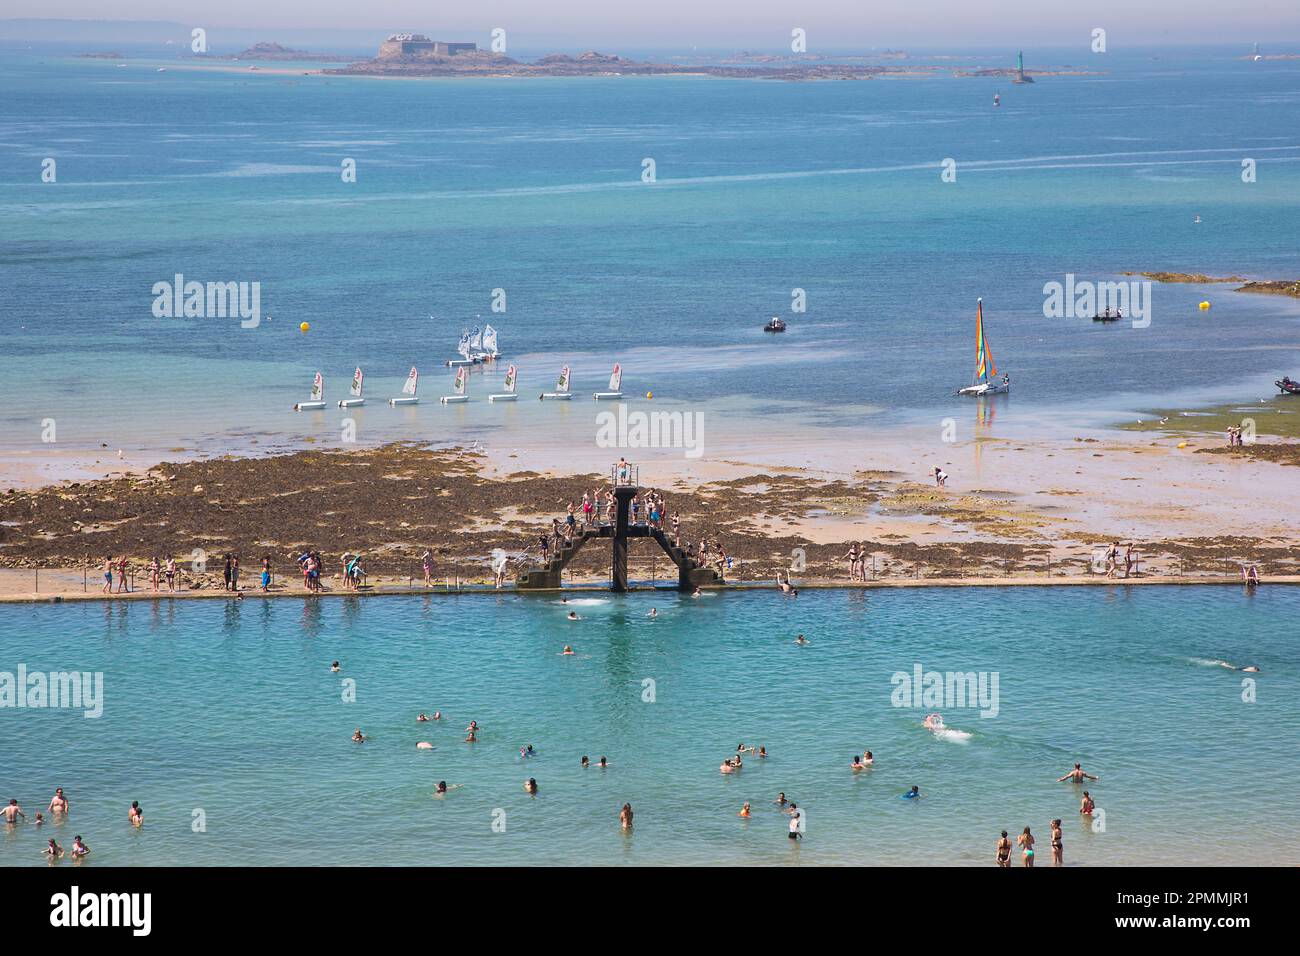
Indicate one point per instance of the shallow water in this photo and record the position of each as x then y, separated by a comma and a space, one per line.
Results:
231, 708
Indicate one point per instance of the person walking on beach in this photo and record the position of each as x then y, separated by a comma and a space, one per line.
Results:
1026, 843
940, 477
1130, 558
1004, 851
1112, 559
108, 575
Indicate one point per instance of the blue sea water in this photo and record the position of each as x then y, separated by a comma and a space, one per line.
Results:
534, 186
230, 708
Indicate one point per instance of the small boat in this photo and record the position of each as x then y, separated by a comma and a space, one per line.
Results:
509, 394
984, 382
358, 380
997, 99
1288, 385
408, 396
490, 353
317, 401
561, 387
1107, 317
463, 348
615, 385
458, 388
775, 325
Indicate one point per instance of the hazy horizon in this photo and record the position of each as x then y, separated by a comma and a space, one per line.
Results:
684, 24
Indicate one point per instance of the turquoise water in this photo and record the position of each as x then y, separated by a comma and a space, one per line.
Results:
231, 708
466, 186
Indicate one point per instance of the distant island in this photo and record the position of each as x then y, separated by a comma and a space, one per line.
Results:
274, 51
1288, 287
414, 54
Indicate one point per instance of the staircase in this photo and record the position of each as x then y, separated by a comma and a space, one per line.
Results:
688, 577
549, 575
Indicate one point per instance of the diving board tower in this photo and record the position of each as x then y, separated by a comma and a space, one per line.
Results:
561, 387
408, 396
458, 395
509, 394
358, 381
615, 385
317, 401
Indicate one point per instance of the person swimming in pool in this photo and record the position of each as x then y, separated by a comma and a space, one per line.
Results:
801, 640
1076, 776
334, 668
573, 616
653, 613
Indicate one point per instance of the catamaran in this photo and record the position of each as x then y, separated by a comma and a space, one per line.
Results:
615, 384
561, 387
458, 388
317, 396
509, 394
358, 379
985, 382
408, 396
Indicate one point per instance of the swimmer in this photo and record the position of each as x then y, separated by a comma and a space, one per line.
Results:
1026, 843
334, 668
568, 649
1076, 776
625, 816
780, 799
53, 851
79, 849
422, 718
912, 794
585, 762
744, 811
531, 786
573, 616
1252, 669
726, 767
58, 803
1086, 806
358, 736
1004, 851
737, 763
653, 613
801, 640
424, 745
437, 715
472, 738
762, 753
933, 722
12, 811
442, 789
473, 726
867, 759
39, 819
603, 764
135, 814
525, 752
857, 764
696, 593
741, 749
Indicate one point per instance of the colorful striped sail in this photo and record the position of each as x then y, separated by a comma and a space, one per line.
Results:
984, 367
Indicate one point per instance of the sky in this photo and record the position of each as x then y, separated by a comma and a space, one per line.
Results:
760, 24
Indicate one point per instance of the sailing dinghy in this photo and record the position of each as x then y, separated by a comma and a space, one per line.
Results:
358, 380
317, 396
408, 396
985, 381
463, 349
509, 394
561, 387
615, 384
490, 353
458, 388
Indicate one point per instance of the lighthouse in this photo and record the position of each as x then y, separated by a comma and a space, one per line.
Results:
1020, 69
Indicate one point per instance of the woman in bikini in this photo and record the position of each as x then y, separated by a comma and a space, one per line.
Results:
1026, 842
1004, 851
1058, 848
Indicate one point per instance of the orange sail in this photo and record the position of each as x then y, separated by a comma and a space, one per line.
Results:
984, 367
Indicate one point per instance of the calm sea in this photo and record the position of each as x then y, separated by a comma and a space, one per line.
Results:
230, 710
535, 187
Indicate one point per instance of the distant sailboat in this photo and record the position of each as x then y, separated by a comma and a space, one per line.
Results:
358, 381
615, 385
490, 343
463, 349
985, 381
509, 394
561, 387
458, 388
317, 396
997, 99
408, 396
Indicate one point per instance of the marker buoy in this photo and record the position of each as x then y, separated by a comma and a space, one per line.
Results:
649, 394
1205, 306
304, 327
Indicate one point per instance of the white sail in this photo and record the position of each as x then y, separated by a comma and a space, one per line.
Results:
357, 381
616, 378
317, 388
475, 340
510, 379
461, 377
489, 340
412, 379
463, 347
563, 384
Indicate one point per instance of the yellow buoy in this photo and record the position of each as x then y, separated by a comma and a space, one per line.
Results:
305, 326
649, 394
1182, 444
1205, 306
